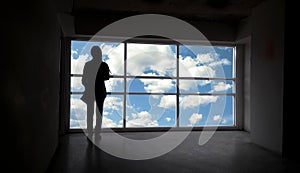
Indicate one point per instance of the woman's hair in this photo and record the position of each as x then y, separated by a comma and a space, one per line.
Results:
96, 52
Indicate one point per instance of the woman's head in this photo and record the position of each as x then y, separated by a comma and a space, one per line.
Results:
96, 52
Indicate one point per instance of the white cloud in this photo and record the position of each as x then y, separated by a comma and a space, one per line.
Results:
204, 58
78, 116
113, 84
142, 119
217, 117
202, 71
220, 62
107, 48
221, 86
190, 67
115, 58
157, 85
201, 66
167, 101
106, 122
74, 52
188, 84
143, 57
113, 103
76, 83
224, 48
168, 119
192, 85
77, 103
194, 101
195, 118
78, 64
224, 121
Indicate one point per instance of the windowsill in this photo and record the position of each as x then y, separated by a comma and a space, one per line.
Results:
162, 129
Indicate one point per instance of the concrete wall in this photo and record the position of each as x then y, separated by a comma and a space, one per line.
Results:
87, 25
247, 84
29, 69
243, 37
263, 37
211, 30
267, 56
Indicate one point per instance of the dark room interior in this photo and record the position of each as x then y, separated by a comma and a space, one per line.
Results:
41, 42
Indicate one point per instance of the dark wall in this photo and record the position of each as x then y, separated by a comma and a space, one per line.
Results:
263, 35
87, 25
267, 57
291, 143
29, 69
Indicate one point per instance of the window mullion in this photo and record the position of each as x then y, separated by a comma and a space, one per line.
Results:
177, 82
125, 85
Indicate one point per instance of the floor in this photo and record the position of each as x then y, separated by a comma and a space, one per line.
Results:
226, 151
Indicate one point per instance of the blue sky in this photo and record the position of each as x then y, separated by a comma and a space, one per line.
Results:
159, 110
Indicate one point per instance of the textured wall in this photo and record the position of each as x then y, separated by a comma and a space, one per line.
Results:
30, 83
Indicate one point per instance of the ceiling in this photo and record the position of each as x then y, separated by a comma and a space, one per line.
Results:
76, 15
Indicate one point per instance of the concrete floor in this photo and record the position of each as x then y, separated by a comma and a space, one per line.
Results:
226, 151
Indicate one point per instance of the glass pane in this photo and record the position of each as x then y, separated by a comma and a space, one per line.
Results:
112, 53
151, 85
151, 60
78, 56
114, 85
221, 86
207, 86
206, 61
76, 84
77, 112
206, 111
151, 111
112, 112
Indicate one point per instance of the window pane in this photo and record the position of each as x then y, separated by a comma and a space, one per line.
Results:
151, 59
206, 61
150, 111
221, 86
207, 86
77, 112
114, 85
112, 53
79, 56
113, 111
206, 111
76, 84
151, 85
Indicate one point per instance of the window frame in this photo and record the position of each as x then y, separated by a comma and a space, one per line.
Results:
237, 95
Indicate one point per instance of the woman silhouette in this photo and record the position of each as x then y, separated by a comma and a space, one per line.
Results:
88, 80
100, 92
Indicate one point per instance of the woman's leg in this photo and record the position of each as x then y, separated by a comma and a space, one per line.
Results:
99, 115
89, 118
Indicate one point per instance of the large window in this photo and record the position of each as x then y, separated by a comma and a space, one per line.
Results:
159, 85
